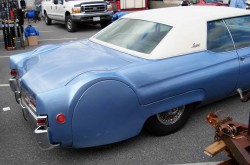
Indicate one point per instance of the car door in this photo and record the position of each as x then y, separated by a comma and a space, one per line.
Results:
53, 7
60, 10
214, 71
221, 49
240, 30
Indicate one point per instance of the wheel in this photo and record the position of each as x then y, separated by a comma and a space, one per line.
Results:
168, 122
70, 25
104, 24
47, 19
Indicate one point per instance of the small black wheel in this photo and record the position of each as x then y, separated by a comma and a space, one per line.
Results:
70, 24
168, 122
104, 24
47, 19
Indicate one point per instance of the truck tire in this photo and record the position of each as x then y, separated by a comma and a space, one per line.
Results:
168, 122
104, 24
47, 19
70, 24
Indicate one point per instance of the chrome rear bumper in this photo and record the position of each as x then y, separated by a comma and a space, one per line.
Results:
41, 132
42, 138
15, 88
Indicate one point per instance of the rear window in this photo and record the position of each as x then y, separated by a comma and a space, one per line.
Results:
138, 35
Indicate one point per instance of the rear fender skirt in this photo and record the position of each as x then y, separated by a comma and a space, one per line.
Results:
107, 112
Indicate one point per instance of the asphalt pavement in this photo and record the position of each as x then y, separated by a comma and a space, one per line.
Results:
18, 144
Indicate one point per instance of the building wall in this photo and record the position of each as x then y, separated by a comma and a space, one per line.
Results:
163, 3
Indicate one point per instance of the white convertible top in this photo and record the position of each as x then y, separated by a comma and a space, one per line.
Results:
189, 32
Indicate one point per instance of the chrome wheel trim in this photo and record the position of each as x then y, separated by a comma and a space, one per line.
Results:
171, 116
69, 24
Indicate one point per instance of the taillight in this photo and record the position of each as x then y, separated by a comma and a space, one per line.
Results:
13, 72
118, 5
42, 121
61, 118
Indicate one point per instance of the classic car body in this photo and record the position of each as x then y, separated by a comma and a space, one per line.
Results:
108, 88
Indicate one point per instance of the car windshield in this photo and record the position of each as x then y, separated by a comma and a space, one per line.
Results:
138, 35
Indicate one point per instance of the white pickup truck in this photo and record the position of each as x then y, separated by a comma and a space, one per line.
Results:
73, 12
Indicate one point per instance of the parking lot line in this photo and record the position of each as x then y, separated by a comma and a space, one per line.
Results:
4, 56
45, 31
203, 163
58, 39
53, 39
4, 85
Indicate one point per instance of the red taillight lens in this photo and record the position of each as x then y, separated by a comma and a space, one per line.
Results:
118, 5
61, 118
13, 72
42, 121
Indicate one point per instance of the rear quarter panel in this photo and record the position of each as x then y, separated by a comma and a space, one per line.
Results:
107, 112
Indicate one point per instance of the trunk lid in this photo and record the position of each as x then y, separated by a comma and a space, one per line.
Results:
55, 68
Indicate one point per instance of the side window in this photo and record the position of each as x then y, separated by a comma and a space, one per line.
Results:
218, 37
240, 30
194, 1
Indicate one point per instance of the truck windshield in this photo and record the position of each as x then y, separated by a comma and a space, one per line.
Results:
138, 35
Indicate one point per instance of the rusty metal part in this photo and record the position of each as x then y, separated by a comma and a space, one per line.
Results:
229, 162
234, 135
248, 132
239, 148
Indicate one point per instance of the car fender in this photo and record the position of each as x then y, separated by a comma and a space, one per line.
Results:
190, 97
107, 112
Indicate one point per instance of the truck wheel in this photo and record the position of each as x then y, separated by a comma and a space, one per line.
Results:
70, 25
47, 20
167, 122
104, 24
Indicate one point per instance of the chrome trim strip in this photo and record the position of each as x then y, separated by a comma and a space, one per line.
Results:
33, 115
13, 84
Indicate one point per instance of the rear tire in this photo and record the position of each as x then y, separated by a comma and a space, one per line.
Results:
169, 121
47, 19
70, 25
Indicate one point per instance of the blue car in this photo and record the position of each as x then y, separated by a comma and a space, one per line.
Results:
148, 69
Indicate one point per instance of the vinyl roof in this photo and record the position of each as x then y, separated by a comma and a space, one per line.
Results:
189, 28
